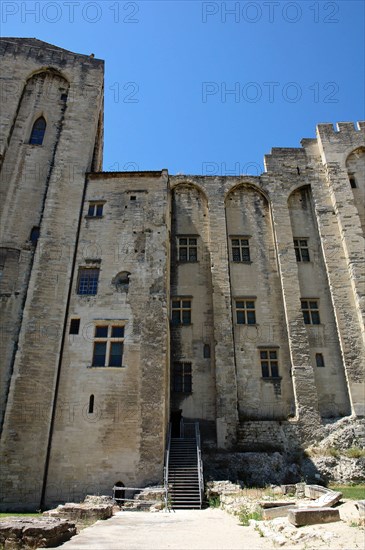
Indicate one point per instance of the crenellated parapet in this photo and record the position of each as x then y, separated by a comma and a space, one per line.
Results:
344, 132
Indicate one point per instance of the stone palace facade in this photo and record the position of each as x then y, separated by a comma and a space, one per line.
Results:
132, 299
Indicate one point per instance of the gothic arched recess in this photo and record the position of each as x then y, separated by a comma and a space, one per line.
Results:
264, 382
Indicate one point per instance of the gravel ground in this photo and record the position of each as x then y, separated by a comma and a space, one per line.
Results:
210, 529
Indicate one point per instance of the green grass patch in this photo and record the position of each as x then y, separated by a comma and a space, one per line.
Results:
214, 502
353, 492
245, 514
19, 514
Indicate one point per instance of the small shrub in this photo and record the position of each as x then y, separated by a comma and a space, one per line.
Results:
259, 531
332, 451
214, 502
354, 452
245, 514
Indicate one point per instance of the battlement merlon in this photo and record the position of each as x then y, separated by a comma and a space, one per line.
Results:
343, 132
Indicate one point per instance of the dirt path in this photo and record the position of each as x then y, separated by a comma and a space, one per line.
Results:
210, 529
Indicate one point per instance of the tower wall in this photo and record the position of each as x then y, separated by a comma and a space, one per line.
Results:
42, 186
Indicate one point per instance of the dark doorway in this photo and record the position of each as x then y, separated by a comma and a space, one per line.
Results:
175, 423
119, 494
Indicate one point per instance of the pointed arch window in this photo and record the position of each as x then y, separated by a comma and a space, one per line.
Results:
38, 131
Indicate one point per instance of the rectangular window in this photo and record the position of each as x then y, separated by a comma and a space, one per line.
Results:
240, 249
108, 345
187, 249
269, 363
310, 312
319, 360
181, 378
301, 250
181, 311
74, 326
245, 312
87, 283
95, 209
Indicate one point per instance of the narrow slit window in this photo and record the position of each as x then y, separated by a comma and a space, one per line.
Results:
34, 235
206, 351
352, 180
38, 131
91, 404
319, 360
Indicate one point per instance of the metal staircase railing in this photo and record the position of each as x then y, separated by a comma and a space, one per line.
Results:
200, 463
166, 468
188, 430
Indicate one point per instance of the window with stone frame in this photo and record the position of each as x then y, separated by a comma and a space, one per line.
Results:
95, 209
108, 344
240, 249
301, 250
320, 360
310, 311
269, 363
181, 377
38, 131
88, 280
187, 248
181, 311
245, 311
74, 325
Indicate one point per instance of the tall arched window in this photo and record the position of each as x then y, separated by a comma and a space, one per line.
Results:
38, 131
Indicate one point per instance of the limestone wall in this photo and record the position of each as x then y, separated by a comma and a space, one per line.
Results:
122, 438
45, 189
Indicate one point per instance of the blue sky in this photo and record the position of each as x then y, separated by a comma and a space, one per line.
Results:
209, 87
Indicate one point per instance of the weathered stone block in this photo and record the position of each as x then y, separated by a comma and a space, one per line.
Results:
314, 491
277, 511
305, 516
25, 533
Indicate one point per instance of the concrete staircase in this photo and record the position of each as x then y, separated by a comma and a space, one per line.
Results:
183, 474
